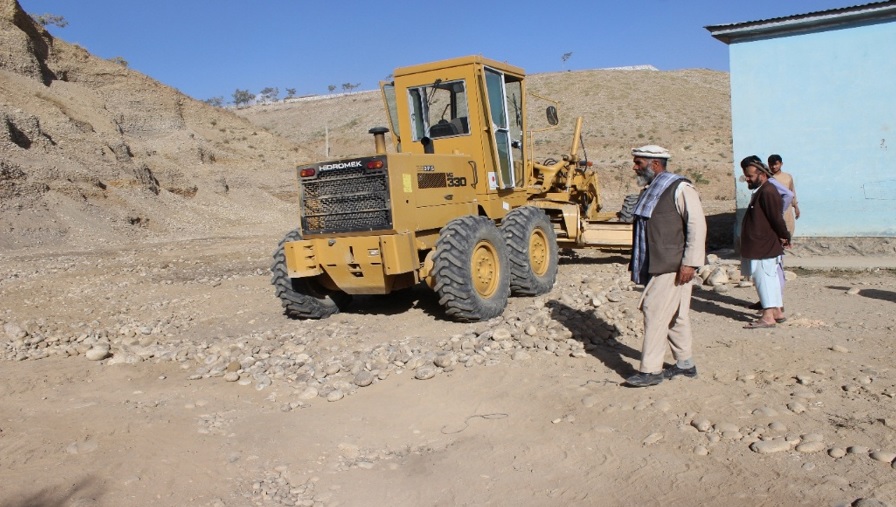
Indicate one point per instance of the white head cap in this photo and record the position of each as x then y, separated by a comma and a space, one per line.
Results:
651, 151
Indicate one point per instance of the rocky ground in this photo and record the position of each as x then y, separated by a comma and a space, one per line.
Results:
144, 360
166, 374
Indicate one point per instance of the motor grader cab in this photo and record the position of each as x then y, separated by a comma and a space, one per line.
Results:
460, 204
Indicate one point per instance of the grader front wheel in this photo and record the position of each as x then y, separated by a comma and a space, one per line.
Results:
532, 248
470, 269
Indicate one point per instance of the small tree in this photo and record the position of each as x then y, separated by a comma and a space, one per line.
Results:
119, 60
565, 57
215, 101
242, 97
290, 93
346, 87
269, 94
331, 88
48, 19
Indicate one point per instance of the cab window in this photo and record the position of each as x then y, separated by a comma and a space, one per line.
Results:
439, 110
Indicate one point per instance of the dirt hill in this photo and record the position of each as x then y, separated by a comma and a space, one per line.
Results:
95, 153
91, 151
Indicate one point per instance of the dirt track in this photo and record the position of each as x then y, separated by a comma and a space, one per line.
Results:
503, 420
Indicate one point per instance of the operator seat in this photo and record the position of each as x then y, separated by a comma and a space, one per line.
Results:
443, 128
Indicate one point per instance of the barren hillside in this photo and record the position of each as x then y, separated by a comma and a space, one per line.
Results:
95, 153
92, 152
145, 360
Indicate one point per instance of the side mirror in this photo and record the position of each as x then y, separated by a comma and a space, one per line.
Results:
551, 113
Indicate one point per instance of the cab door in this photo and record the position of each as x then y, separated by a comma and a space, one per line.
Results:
497, 107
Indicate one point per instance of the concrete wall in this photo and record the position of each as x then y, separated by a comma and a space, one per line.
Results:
826, 102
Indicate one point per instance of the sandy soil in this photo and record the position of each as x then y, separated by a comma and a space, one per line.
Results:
520, 425
145, 361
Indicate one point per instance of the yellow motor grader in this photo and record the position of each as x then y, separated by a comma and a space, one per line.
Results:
461, 205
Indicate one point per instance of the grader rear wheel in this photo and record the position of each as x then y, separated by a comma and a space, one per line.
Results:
302, 298
470, 268
532, 249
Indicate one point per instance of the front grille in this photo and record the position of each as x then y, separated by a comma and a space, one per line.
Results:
346, 200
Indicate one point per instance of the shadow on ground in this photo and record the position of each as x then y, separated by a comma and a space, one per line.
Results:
419, 296
884, 295
587, 327
708, 301
84, 492
569, 256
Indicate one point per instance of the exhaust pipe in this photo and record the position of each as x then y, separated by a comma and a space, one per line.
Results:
379, 138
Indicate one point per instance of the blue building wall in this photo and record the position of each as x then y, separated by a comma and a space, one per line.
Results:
826, 102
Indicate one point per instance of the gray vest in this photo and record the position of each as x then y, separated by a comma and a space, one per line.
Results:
665, 234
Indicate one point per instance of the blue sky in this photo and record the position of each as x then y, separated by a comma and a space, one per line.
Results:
209, 48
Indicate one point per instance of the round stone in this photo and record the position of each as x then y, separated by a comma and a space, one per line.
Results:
884, 456
501, 334
777, 426
770, 446
425, 373
796, 407
808, 447
652, 438
702, 424
97, 353
364, 378
726, 427
446, 360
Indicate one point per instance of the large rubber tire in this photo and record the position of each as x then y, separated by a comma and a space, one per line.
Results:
470, 269
532, 251
626, 214
302, 298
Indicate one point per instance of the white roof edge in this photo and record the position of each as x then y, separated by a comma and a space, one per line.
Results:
779, 26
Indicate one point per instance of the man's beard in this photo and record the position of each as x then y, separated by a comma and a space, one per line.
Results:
753, 185
645, 176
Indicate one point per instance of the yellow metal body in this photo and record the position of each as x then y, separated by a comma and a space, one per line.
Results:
459, 128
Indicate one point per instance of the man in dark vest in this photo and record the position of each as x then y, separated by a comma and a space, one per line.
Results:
669, 244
